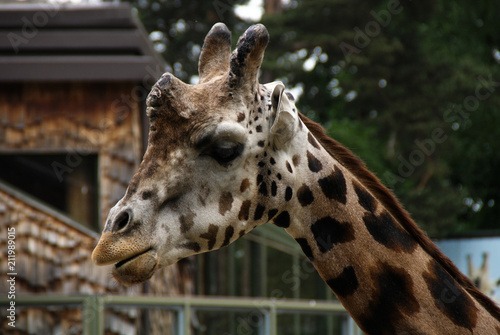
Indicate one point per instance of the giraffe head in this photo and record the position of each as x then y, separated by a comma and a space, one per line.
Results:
203, 181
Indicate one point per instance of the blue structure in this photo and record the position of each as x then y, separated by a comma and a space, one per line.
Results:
461, 248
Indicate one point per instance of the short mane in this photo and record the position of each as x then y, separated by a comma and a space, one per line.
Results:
357, 167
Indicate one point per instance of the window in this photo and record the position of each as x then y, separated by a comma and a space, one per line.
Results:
266, 262
67, 183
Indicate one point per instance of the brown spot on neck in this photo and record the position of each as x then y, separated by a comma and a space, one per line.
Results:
393, 300
259, 212
365, 199
388, 232
312, 141
313, 163
282, 220
334, 186
344, 284
305, 195
329, 232
449, 297
244, 210
228, 234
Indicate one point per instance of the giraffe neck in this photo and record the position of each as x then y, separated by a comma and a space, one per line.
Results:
390, 280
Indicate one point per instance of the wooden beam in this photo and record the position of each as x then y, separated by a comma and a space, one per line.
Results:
96, 68
70, 40
68, 16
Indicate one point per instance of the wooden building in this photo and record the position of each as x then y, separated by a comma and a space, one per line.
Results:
73, 81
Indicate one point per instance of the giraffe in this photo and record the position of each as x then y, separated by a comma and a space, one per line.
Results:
229, 154
481, 276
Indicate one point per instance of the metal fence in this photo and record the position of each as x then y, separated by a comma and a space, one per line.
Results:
265, 310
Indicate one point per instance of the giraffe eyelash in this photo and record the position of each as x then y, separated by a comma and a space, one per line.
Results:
224, 152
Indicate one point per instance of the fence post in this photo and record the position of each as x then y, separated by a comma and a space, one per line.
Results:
186, 318
92, 318
273, 320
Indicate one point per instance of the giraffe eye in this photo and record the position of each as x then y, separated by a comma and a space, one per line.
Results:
225, 152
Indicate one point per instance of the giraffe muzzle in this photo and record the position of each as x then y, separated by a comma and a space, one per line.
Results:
136, 269
134, 262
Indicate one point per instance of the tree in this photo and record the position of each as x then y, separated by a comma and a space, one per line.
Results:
470, 42
382, 76
178, 28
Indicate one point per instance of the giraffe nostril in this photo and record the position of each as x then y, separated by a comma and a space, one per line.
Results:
122, 220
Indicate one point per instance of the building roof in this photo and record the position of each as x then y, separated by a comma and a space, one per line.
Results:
96, 42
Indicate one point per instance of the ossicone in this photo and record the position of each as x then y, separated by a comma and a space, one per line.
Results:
168, 92
247, 58
214, 57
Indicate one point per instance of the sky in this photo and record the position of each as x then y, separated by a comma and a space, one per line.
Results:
252, 11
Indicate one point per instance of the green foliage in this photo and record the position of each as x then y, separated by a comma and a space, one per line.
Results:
387, 78
361, 139
476, 164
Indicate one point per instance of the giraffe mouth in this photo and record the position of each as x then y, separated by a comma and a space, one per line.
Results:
122, 262
137, 268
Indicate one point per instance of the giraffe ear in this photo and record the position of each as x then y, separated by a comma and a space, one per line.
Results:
285, 121
214, 57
